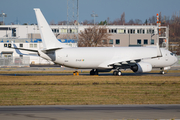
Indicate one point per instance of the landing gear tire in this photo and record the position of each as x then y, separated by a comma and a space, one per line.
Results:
115, 73
94, 72
118, 73
162, 72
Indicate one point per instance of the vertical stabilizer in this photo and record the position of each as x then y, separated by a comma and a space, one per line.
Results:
48, 38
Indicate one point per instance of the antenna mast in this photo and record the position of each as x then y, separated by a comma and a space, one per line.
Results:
72, 19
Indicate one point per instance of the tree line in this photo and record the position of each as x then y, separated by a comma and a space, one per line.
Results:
173, 22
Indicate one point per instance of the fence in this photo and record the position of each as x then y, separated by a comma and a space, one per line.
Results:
14, 61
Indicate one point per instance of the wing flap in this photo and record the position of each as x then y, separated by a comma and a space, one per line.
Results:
111, 63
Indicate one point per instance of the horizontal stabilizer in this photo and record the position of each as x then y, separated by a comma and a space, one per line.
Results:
15, 47
18, 52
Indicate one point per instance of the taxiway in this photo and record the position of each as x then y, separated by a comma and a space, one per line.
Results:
89, 112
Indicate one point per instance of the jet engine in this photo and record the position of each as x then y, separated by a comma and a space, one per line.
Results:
141, 67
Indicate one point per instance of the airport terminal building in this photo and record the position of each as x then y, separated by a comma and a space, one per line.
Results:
28, 36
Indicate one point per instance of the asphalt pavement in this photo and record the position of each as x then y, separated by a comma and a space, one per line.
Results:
90, 112
59, 73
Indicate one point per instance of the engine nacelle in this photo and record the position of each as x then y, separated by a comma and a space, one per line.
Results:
141, 67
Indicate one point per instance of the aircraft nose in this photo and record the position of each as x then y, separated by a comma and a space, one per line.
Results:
175, 59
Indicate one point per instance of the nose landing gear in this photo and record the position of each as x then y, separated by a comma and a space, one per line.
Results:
162, 72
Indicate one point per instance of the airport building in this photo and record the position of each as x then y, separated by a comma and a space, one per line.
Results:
28, 36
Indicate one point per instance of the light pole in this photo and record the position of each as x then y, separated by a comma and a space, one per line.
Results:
94, 15
3, 15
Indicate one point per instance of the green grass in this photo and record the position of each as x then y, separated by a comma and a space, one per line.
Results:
88, 90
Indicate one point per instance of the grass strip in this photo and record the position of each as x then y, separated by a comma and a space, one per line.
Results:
88, 90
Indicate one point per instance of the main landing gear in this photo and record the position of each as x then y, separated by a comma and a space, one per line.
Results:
162, 71
117, 72
94, 72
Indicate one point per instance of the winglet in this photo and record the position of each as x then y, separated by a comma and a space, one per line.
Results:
159, 54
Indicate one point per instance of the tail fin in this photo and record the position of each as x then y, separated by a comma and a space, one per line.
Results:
48, 38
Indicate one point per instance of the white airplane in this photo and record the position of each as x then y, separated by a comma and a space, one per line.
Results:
138, 59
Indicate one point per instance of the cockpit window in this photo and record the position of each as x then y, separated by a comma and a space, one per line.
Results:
173, 54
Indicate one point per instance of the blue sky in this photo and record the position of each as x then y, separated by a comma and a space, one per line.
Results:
56, 10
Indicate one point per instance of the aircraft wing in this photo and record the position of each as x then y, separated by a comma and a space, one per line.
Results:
127, 61
119, 63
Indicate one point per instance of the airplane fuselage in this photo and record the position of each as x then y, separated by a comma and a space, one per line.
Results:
101, 57
138, 59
